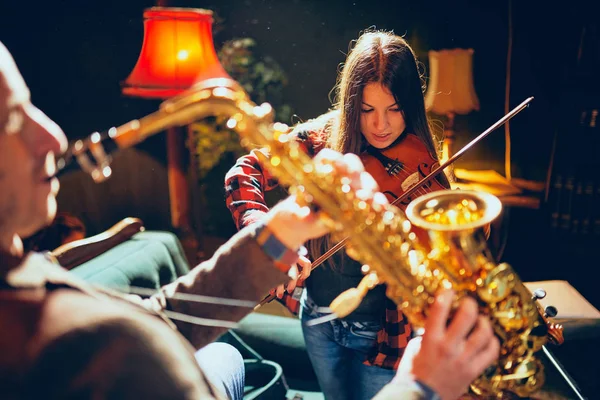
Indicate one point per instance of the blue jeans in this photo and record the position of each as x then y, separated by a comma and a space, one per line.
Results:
337, 350
223, 366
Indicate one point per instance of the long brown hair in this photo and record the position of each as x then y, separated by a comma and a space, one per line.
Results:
376, 57
386, 58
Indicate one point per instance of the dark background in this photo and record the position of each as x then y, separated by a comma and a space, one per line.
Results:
74, 54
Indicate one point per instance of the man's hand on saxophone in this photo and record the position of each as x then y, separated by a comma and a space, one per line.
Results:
450, 354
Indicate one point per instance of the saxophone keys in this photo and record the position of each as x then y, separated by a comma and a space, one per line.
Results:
496, 285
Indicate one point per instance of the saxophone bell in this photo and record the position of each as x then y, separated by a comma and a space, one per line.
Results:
455, 221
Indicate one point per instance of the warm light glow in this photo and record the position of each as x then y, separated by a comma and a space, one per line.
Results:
450, 88
182, 55
177, 52
231, 123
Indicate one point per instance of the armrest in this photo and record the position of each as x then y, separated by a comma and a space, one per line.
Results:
77, 252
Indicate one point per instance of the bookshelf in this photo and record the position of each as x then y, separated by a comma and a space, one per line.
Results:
573, 200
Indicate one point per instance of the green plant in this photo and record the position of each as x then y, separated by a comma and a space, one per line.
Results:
262, 78
214, 148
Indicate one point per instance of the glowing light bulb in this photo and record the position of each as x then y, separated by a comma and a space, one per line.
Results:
182, 55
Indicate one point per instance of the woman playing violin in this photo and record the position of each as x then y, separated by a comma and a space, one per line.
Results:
379, 114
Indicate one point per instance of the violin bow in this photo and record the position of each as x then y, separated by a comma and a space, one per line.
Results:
416, 186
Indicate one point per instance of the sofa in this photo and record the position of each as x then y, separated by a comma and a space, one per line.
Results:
127, 256
277, 365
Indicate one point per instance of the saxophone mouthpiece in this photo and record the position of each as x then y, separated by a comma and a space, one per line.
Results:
92, 154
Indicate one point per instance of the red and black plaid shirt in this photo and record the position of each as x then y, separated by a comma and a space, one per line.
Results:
245, 187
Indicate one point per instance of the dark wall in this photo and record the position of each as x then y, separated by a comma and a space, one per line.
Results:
74, 54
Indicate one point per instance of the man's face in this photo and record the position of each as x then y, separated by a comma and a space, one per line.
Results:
29, 141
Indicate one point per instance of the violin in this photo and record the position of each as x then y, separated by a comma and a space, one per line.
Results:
401, 166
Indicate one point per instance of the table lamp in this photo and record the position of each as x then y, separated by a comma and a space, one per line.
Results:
451, 90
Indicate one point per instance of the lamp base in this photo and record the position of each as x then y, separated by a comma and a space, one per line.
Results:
447, 146
448, 143
179, 194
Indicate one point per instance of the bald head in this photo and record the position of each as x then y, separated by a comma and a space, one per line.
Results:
13, 90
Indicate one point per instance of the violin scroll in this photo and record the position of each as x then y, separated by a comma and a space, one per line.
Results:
555, 333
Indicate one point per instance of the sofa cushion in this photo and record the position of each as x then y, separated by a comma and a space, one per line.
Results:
149, 259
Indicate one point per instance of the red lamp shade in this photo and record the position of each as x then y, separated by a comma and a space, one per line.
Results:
178, 51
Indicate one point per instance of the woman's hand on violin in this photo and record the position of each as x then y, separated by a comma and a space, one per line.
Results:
299, 272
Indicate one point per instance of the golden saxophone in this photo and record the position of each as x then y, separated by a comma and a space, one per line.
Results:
380, 238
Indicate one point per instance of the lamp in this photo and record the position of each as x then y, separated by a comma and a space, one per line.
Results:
177, 52
451, 90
